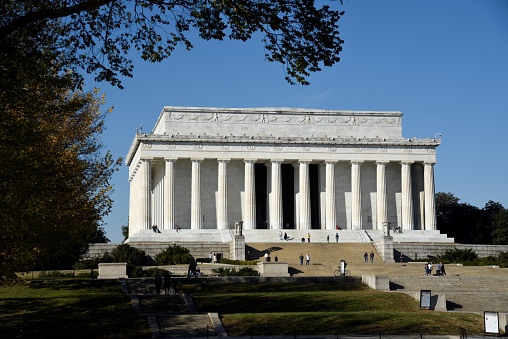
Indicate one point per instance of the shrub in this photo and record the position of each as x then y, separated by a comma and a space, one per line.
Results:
237, 262
173, 255
244, 272
55, 274
458, 255
130, 255
93, 275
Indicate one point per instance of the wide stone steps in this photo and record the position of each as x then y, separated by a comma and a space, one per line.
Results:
453, 283
463, 293
477, 301
163, 304
186, 326
172, 316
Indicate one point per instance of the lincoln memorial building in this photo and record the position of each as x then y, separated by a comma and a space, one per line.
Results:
291, 169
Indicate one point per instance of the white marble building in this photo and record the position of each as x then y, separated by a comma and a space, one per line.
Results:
204, 168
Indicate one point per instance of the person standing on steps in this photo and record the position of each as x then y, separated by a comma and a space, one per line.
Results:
337, 237
308, 237
371, 257
301, 258
167, 282
307, 259
328, 238
366, 257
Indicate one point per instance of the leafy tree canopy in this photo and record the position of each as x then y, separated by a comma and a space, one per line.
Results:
469, 224
96, 35
54, 181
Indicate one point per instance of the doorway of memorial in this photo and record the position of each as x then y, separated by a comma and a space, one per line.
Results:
260, 174
314, 195
288, 196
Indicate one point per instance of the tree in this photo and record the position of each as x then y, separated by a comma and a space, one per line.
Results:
469, 224
459, 220
96, 35
54, 178
498, 220
125, 231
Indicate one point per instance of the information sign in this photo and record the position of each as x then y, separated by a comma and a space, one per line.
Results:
491, 321
425, 299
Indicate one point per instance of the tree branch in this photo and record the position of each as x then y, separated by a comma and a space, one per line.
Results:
50, 13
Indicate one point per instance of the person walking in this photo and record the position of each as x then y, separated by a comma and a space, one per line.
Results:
301, 258
328, 238
337, 237
366, 257
371, 257
307, 259
158, 283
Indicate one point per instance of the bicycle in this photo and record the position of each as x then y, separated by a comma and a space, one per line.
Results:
338, 273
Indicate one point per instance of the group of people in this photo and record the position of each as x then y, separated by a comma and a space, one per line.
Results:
307, 259
367, 256
268, 258
212, 258
156, 229
285, 237
336, 237
163, 281
440, 268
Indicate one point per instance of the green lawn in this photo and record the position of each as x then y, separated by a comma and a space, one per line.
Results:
98, 309
307, 309
69, 309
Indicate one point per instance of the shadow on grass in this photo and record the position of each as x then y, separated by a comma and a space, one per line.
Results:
70, 309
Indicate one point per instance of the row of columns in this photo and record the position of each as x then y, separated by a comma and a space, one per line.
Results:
275, 200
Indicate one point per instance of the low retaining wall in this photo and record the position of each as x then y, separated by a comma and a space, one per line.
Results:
112, 271
424, 250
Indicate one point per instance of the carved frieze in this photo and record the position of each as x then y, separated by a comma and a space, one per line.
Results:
296, 119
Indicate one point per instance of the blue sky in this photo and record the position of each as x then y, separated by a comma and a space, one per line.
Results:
444, 64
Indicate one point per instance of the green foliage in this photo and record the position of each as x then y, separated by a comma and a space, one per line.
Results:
138, 272
173, 255
56, 274
244, 271
237, 262
84, 275
129, 254
97, 35
457, 255
125, 232
469, 224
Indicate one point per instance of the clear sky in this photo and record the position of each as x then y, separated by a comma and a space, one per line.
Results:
444, 64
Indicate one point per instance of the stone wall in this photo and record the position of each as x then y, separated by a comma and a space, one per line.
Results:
424, 250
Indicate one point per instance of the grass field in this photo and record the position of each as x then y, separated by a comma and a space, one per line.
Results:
69, 309
311, 309
98, 309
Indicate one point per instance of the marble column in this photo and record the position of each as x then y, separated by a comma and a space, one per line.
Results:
330, 209
145, 194
304, 183
407, 196
276, 196
222, 195
356, 195
381, 207
429, 191
196, 215
249, 222
169, 194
